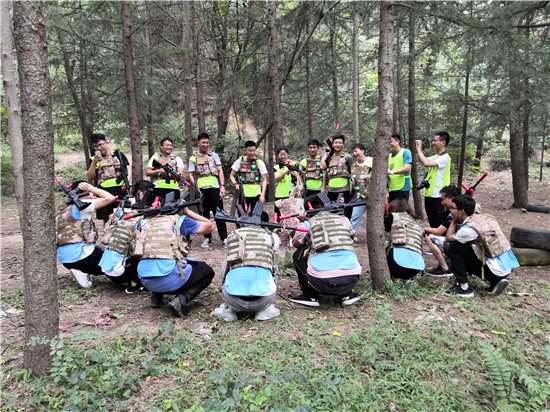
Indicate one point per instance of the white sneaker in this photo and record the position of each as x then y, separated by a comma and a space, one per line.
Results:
270, 312
224, 243
226, 313
207, 242
81, 278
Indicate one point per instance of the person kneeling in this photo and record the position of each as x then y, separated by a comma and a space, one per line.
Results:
404, 253
164, 268
325, 259
249, 284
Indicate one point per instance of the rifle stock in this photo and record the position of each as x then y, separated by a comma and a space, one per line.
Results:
253, 220
72, 196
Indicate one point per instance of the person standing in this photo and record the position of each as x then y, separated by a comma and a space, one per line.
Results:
104, 167
313, 176
252, 173
399, 169
439, 175
283, 176
206, 173
158, 176
360, 178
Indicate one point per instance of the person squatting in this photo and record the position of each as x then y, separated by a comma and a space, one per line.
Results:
145, 241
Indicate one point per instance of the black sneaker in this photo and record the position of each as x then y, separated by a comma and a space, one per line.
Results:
349, 299
178, 309
156, 300
457, 290
498, 288
305, 300
439, 272
133, 287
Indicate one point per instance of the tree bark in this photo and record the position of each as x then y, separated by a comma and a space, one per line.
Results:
38, 220
131, 94
308, 84
355, 76
12, 105
464, 126
276, 134
417, 197
334, 78
375, 226
398, 80
199, 89
187, 90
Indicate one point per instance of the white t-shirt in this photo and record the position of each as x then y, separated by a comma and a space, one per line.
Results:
442, 162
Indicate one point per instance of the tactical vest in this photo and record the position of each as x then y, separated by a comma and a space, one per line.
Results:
158, 239
119, 233
313, 169
160, 181
397, 181
205, 165
329, 232
491, 241
338, 167
432, 176
70, 230
249, 172
250, 246
106, 171
359, 176
406, 233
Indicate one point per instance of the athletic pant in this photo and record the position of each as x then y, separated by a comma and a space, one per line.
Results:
90, 264
211, 200
399, 272
434, 208
465, 260
347, 197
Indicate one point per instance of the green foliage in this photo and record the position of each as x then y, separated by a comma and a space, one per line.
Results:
72, 171
500, 157
6, 169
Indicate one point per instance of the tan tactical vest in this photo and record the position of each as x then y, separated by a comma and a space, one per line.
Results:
250, 246
491, 241
119, 234
330, 231
171, 160
157, 239
338, 167
70, 230
313, 169
205, 165
106, 169
406, 233
249, 172
359, 175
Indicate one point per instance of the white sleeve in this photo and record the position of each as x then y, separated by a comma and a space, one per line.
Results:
179, 163
466, 234
277, 242
237, 165
150, 163
262, 168
217, 160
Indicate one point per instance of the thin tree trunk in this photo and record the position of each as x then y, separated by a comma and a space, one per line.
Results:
417, 197
221, 50
199, 89
131, 94
375, 226
399, 81
464, 126
146, 16
355, 76
187, 90
334, 78
12, 105
38, 220
308, 85
542, 149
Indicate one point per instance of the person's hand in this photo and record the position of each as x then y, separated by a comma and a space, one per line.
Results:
97, 158
419, 145
222, 191
302, 216
85, 187
368, 178
262, 198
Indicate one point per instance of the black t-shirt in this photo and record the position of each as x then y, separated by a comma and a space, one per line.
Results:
446, 218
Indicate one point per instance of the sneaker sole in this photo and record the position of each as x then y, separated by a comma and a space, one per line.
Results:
349, 302
310, 304
444, 275
459, 295
499, 287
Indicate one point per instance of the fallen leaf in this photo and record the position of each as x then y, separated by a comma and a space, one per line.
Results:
336, 333
496, 332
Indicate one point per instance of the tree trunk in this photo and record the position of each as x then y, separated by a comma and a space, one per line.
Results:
479, 150
187, 90
221, 50
86, 100
400, 104
417, 197
38, 220
334, 78
276, 133
355, 76
308, 85
375, 226
146, 16
12, 105
131, 94
199, 90
464, 126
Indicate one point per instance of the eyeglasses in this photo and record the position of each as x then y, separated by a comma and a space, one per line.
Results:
453, 208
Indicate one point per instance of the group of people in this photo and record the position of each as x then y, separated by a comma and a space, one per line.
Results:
150, 250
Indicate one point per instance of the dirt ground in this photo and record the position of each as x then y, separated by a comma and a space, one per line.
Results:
494, 194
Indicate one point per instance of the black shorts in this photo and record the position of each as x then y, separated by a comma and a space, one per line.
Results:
105, 212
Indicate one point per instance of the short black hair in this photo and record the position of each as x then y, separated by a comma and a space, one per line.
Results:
202, 136
165, 139
281, 148
466, 203
75, 183
249, 143
313, 142
339, 136
359, 146
97, 137
444, 136
396, 136
450, 191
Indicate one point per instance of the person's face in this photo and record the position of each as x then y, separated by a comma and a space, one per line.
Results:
250, 152
455, 213
394, 144
445, 201
312, 150
102, 146
357, 153
438, 142
204, 145
167, 147
140, 195
283, 156
338, 145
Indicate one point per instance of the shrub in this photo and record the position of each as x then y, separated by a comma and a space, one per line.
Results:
500, 157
